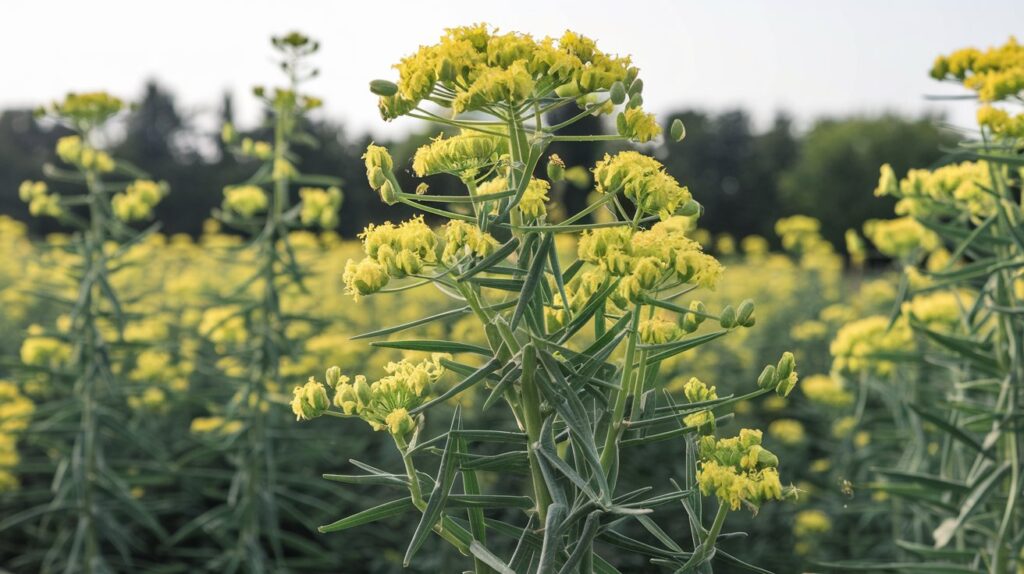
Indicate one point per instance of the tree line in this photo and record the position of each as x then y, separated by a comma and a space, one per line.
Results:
745, 177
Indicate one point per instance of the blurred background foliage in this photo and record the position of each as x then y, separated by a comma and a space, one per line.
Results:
746, 177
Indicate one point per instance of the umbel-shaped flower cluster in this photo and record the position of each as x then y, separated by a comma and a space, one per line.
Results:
384, 404
739, 470
474, 68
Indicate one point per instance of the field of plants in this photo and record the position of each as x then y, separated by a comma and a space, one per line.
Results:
498, 383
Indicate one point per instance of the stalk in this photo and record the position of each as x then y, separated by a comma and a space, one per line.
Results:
609, 455
530, 401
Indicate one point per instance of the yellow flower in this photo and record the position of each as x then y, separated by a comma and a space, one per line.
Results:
638, 126
320, 206
787, 431
309, 400
810, 523
902, 237
385, 403
245, 200
859, 344
642, 179
825, 390
466, 152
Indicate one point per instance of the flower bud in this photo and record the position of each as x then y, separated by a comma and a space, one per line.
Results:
728, 317
376, 177
383, 88
388, 194
617, 93
556, 168
767, 378
635, 101
647, 272
678, 130
636, 87
399, 422
745, 313
785, 367
309, 400
333, 376
362, 390
689, 209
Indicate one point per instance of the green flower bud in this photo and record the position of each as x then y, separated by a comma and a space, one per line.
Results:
678, 130
728, 317
383, 88
376, 177
363, 392
617, 93
766, 457
635, 101
785, 367
745, 313
689, 209
556, 168
388, 194
636, 87
767, 378
333, 376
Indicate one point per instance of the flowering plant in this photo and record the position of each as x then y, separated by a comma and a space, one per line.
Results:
572, 348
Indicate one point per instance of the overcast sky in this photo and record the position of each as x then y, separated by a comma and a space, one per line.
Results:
810, 57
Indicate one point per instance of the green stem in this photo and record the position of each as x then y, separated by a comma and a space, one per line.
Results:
610, 453
416, 494
530, 402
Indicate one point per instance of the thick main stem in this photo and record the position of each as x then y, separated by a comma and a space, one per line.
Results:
530, 401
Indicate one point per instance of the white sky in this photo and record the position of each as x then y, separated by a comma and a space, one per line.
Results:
810, 57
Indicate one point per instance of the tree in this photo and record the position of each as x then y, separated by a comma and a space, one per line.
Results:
838, 163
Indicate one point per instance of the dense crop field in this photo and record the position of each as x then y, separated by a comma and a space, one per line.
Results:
497, 384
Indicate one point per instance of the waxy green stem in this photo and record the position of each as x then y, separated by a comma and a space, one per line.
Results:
611, 450
530, 401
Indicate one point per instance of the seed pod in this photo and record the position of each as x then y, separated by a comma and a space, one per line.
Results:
383, 88
620, 125
635, 101
767, 378
617, 93
690, 323
689, 209
765, 457
678, 130
728, 317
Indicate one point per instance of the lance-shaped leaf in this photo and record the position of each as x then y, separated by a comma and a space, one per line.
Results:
388, 509
442, 487
552, 545
536, 273
433, 346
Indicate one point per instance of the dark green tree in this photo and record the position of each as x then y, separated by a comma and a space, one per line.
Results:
838, 163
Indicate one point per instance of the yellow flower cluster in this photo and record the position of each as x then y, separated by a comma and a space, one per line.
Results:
460, 155
320, 206
534, 201
215, 425
643, 180
74, 151
1000, 122
245, 200
635, 124
657, 330
39, 199
789, 432
995, 74
940, 310
223, 326
138, 200
696, 391
86, 109
42, 350
738, 470
826, 390
799, 233
405, 249
901, 238
385, 403
951, 189
474, 67
807, 526
257, 149
645, 260
15, 412
310, 400
860, 346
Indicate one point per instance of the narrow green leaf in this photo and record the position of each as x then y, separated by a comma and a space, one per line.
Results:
433, 346
388, 509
